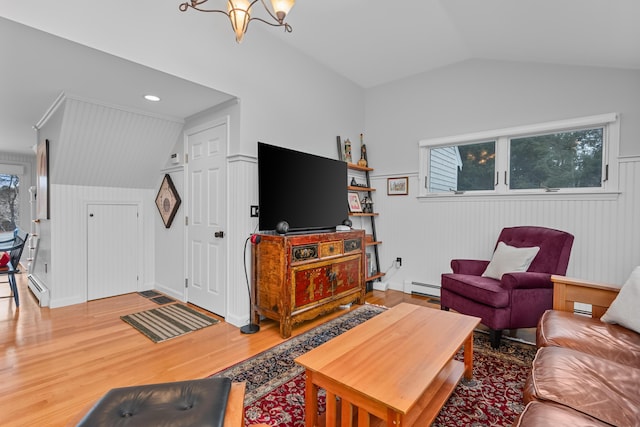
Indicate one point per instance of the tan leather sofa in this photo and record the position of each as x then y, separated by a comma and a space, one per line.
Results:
586, 372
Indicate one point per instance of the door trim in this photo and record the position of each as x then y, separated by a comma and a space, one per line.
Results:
140, 206
218, 121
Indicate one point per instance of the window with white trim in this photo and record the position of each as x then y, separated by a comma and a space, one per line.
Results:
568, 156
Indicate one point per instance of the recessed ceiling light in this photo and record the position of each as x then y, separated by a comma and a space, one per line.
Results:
152, 98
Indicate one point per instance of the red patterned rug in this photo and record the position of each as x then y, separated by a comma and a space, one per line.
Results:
275, 384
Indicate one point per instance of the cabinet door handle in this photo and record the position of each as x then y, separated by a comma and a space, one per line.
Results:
219, 234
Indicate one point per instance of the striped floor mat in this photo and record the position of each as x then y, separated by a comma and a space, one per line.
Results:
169, 321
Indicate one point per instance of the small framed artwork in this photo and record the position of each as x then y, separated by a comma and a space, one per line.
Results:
398, 186
354, 202
168, 201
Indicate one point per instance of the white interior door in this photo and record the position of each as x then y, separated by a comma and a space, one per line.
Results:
206, 253
112, 250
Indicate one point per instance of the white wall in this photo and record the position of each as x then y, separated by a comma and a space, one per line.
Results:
285, 98
169, 242
68, 269
481, 95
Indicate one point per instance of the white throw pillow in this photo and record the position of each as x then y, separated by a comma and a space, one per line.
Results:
624, 310
509, 259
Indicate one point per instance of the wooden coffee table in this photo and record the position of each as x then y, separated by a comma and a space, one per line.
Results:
397, 366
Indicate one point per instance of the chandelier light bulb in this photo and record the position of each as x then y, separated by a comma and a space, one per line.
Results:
239, 15
281, 8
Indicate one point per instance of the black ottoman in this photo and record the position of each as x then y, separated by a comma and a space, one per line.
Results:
195, 403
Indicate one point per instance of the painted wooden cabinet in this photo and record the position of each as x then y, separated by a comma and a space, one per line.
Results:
300, 277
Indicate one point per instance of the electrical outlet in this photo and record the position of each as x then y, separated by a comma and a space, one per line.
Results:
398, 262
254, 211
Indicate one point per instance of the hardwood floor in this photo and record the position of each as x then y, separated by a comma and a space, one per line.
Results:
56, 363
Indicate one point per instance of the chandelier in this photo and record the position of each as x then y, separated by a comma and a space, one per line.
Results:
240, 14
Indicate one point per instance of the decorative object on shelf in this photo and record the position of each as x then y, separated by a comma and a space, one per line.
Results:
367, 204
363, 153
398, 186
371, 241
347, 151
354, 203
168, 201
340, 152
42, 170
239, 13
355, 183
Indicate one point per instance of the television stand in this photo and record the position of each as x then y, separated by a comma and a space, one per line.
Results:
299, 277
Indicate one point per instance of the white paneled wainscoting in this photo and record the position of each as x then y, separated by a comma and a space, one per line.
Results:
61, 267
428, 233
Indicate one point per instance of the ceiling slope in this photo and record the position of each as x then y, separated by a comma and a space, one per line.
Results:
109, 146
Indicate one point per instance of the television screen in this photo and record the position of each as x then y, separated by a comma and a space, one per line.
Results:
309, 192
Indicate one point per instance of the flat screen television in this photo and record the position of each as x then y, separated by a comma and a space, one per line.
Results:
309, 192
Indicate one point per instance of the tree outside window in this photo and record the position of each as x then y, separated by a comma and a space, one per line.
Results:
559, 160
9, 202
478, 166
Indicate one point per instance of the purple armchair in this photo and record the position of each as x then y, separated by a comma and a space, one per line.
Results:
517, 300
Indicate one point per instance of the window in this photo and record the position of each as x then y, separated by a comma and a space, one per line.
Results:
9, 202
570, 156
570, 159
459, 168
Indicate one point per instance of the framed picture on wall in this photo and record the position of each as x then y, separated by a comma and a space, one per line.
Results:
42, 184
398, 186
168, 201
354, 202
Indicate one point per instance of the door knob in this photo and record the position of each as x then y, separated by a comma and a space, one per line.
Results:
219, 234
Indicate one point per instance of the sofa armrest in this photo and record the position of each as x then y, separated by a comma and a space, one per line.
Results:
526, 280
473, 267
567, 291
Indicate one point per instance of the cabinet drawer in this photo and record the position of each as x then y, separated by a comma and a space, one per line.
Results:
351, 245
303, 253
330, 248
316, 282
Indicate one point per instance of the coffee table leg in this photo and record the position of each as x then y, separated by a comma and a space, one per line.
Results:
468, 357
311, 401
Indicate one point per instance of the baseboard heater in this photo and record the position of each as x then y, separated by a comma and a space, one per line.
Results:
39, 290
425, 289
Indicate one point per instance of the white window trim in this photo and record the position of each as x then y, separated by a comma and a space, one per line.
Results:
609, 190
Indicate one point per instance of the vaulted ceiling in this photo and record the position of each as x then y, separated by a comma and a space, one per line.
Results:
373, 42
370, 42
38, 67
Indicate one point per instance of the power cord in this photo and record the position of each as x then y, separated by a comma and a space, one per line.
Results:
251, 328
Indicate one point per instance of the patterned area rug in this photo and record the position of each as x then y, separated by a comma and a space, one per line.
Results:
275, 384
169, 321
274, 367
